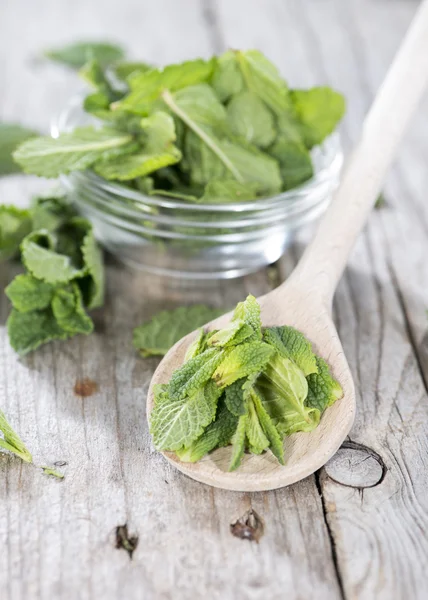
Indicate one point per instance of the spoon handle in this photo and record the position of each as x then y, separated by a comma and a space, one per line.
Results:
325, 258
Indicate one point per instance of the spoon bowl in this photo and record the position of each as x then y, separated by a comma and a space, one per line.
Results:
304, 452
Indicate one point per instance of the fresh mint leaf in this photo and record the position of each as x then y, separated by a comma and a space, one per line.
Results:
194, 374
178, 423
249, 117
157, 336
292, 344
93, 283
323, 389
123, 70
157, 151
147, 87
28, 293
11, 440
228, 190
69, 312
227, 78
217, 434
257, 439
51, 157
11, 136
43, 262
15, 224
51, 211
77, 54
275, 442
295, 162
319, 110
52, 472
28, 331
235, 398
238, 443
249, 312
242, 361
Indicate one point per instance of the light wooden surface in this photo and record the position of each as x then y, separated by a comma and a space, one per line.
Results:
356, 529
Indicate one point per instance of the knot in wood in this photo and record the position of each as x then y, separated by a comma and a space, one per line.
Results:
357, 466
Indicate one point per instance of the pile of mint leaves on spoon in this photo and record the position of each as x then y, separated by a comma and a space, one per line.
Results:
243, 385
222, 130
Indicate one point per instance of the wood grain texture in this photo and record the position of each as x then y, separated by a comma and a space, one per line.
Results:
58, 538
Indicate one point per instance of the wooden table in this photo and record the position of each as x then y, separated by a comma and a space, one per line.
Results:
357, 528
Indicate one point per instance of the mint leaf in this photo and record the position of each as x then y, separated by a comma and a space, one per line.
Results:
257, 440
275, 443
51, 211
146, 87
249, 312
52, 472
94, 282
15, 224
194, 374
241, 361
292, 344
77, 54
11, 135
11, 440
235, 398
238, 443
249, 118
227, 78
178, 423
323, 389
319, 110
40, 258
228, 190
217, 434
28, 331
69, 312
28, 293
157, 336
51, 157
294, 160
123, 70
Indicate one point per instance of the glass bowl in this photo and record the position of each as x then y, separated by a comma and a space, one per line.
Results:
197, 241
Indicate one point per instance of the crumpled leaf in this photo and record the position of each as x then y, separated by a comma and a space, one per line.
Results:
323, 389
11, 440
69, 312
241, 361
11, 135
77, 54
43, 262
28, 293
78, 150
194, 374
157, 336
177, 423
15, 224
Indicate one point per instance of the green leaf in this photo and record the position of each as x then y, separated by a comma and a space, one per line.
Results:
28, 331
194, 374
319, 109
294, 160
227, 78
235, 398
200, 105
157, 336
217, 434
52, 472
156, 152
292, 344
126, 69
178, 423
15, 224
147, 87
51, 211
275, 442
11, 440
11, 135
77, 54
233, 334
68, 310
40, 258
228, 190
257, 440
249, 312
249, 117
94, 285
78, 150
241, 361
28, 293
238, 443
323, 389
263, 79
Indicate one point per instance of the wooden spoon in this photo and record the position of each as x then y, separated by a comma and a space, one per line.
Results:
305, 299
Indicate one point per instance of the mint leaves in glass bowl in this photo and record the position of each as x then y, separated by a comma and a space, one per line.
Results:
203, 169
